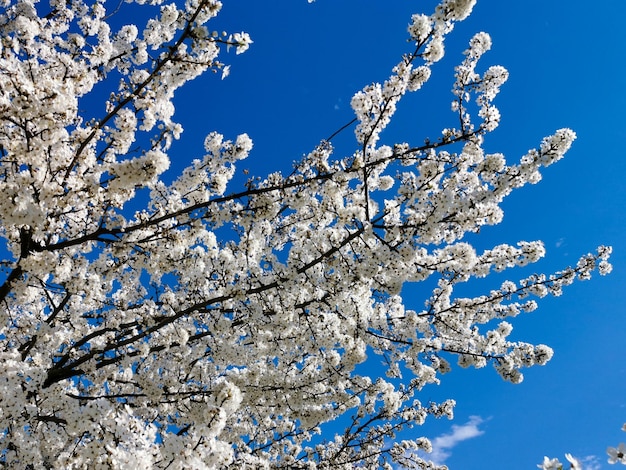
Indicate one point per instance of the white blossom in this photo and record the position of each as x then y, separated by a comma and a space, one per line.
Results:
177, 321
617, 454
574, 462
550, 464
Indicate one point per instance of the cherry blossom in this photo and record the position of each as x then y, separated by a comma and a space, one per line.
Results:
617, 454
149, 323
555, 464
550, 464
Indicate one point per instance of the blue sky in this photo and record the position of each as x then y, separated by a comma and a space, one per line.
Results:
565, 58
566, 63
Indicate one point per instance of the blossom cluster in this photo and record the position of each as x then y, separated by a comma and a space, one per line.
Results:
211, 327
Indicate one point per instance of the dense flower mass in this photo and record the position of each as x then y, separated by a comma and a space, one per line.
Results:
220, 328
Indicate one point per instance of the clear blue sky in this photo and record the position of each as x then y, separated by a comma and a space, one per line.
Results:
566, 63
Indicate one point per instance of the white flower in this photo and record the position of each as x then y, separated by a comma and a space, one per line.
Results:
574, 462
243, 42
617, 454
225, 71
434, 50
480, 43
604, 267
459, 9
550, 464
418, 77
385, 182
221, 318
420, 27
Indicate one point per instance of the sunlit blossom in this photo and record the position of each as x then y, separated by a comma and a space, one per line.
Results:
152, 320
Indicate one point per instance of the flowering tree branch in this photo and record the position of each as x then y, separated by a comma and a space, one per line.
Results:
223, 328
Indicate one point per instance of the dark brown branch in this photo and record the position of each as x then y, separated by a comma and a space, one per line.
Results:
5, 288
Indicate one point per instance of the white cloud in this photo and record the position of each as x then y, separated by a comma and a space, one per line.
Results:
443, 444
591, 462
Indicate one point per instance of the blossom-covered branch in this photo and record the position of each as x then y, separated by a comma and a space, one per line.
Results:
223, 327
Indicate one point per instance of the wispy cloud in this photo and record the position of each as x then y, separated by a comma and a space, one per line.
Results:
591, 462
443, 444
